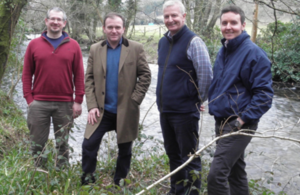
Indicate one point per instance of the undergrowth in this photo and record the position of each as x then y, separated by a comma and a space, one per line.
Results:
18, 175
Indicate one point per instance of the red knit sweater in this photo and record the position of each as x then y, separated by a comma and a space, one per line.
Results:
55, 71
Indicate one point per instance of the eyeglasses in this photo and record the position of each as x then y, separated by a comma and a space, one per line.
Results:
55, 19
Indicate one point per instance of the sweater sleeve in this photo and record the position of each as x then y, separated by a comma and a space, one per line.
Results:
78, 73
28, 71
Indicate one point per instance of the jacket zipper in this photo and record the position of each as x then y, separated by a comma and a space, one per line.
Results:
61, 43
162, 78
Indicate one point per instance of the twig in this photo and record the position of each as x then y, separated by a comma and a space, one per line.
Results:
147, 112
240, 132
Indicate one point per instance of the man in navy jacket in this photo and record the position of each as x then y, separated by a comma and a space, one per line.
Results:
184, 76
240, 93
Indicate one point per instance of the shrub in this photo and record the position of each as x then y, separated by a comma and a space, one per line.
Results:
283, 50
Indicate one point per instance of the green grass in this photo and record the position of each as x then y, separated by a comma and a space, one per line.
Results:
10, 115
18, 175
13, 126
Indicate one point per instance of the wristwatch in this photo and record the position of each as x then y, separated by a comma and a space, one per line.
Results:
237, 124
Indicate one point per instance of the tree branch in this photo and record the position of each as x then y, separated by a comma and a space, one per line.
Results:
192, 156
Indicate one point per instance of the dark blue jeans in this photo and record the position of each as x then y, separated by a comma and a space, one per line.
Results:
180, 132
228, 165
91, 146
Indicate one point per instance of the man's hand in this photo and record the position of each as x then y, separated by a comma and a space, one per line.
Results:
241, 121
30, 103
93, 113
202, 108
76, 110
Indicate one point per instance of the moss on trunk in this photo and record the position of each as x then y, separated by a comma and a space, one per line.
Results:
9, 14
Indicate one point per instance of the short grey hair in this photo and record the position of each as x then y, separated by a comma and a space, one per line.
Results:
57, 9
174, 2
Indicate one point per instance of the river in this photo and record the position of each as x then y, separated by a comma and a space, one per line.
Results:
273, 162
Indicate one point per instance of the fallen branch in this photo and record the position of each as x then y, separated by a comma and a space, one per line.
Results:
192, 156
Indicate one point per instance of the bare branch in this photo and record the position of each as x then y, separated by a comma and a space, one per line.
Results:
192, 156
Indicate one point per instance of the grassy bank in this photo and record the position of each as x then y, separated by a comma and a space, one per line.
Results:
13, 127
19, 176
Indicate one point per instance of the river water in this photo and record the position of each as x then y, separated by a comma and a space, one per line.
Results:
273, 162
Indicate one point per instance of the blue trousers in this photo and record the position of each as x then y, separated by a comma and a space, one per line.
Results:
91, 146
180, 133
227, 175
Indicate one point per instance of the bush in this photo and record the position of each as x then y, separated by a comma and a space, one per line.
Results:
213, 43
285, 53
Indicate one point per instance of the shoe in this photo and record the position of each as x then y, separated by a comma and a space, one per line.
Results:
86, 179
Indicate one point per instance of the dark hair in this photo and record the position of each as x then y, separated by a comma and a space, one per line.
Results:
235, 9
113, 15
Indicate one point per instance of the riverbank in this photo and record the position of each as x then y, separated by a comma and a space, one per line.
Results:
19, 176
13, 127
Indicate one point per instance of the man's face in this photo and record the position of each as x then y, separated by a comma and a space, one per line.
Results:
113, 30
173, 18
231, 25
55, 22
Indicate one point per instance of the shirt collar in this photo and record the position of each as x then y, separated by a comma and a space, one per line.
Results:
120, 42
169, 35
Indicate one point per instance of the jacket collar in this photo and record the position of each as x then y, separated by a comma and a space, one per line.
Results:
177, 35
233, 44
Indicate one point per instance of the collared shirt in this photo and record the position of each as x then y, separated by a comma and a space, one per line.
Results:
112, 72
120, 42
198, 53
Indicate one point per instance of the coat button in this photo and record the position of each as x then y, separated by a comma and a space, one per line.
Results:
104, 76
101, 108
103, 92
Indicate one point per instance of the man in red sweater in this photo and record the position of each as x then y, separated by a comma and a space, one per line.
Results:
52, 73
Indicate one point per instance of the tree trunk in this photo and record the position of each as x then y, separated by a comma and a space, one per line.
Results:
197, 15
205, 15
216, 15
130, 14
9, 14
254, 24
188, 14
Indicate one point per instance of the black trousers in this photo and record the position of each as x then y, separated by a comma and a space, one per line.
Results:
180, 132
228, 165
91, 146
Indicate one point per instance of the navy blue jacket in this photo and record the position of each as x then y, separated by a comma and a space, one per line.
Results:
242, 82
175, 92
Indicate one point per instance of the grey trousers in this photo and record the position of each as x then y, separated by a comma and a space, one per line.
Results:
38, 121
227, 175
